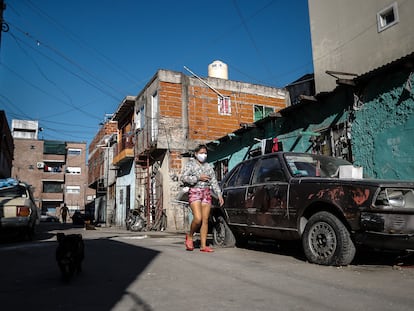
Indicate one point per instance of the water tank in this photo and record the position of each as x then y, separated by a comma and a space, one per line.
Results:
218, 69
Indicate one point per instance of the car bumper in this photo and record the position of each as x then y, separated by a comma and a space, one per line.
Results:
394, 231
14, 222
401, 242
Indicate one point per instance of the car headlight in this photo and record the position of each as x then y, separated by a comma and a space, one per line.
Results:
395, 198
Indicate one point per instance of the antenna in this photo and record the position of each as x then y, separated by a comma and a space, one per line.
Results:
215, 91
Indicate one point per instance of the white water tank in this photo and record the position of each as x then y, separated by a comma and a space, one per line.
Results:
218, 69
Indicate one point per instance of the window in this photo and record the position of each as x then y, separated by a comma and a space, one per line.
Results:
387, 17
231, 182
73, 189
269, 170
141, 118
74, 170
245, 173
51, 167
221, 168
54, 147
52, 187
74, 152
261, 112
154, 117
224, 106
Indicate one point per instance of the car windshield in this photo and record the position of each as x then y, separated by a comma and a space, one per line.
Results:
313, 165
14, 192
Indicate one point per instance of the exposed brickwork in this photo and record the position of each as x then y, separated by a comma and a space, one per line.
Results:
205, 123
107, 129
175, 161
96, 154
170, 100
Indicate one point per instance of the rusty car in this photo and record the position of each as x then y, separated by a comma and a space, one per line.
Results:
323, 201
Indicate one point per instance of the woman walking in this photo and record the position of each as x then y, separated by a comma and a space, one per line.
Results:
200, 177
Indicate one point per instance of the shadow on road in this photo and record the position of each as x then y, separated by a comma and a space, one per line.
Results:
30, 278
363, 256
44, 231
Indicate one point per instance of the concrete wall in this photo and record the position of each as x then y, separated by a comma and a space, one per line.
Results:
383, 131
345, 37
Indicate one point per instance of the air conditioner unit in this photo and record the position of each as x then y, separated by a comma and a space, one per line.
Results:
40, 165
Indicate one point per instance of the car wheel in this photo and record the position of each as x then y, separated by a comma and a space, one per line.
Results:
222, 235
326, 241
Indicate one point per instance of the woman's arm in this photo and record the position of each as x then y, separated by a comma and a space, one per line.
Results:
188, 176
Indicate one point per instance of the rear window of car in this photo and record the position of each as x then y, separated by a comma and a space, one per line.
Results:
16, 191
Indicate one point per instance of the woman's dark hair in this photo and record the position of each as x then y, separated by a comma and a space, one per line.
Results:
199, 147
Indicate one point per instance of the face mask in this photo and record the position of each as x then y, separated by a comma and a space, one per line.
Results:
201, 157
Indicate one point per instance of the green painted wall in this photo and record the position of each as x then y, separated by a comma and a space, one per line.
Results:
383, 130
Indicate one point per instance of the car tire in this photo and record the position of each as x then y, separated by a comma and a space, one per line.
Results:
222, 234
326, 241
242, 241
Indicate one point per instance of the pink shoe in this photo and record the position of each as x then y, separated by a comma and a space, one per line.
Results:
207, 249
189, 246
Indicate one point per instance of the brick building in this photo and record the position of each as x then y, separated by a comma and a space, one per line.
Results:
56, 169
100, 174
171, 116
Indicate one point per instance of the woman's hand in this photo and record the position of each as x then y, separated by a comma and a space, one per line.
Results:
221, 200
204, 177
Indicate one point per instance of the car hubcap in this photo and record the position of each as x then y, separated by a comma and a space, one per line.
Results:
322, 240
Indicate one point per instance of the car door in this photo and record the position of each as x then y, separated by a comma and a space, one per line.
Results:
234, 194
268, 194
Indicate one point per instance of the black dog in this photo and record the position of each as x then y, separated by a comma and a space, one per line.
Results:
69, 254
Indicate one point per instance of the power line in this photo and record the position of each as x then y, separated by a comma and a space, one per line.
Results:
82, 43
249, 34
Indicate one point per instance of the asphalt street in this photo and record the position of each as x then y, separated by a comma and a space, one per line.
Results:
127, 271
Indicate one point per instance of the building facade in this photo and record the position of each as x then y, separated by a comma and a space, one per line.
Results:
159, 128
355, 37
101, 173
56, 170
6, 147
369, 122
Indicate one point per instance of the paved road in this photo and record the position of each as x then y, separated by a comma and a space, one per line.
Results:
124, 271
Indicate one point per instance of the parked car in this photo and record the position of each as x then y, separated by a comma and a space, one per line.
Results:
49, 218
18, 211
78, 218
288, 196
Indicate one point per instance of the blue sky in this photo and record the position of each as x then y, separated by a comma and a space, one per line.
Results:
68, 63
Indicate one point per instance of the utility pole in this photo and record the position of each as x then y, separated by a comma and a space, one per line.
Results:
4, 26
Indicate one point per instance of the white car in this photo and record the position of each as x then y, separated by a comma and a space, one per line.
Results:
18, 211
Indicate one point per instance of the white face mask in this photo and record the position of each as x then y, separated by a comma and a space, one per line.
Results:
202, 157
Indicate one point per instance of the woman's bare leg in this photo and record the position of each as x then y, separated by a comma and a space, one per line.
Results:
205, 214
197, 218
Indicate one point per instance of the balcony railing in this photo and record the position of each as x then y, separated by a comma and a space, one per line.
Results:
124, 150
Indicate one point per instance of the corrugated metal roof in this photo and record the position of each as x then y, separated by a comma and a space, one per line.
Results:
405, 62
